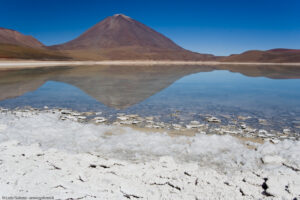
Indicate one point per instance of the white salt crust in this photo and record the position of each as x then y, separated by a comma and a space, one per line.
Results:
42, 155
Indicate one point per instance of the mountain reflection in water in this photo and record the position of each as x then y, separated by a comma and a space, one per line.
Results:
120, 87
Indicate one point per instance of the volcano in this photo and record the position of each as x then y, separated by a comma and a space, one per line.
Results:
121, 37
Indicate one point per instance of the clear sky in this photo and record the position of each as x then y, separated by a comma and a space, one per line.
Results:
220, 27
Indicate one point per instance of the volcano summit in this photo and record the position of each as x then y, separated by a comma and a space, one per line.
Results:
120, 37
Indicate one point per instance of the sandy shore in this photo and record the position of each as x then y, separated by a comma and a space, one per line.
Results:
34, 64
43, 156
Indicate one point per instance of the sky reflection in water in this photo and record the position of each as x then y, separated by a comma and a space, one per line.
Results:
215, 92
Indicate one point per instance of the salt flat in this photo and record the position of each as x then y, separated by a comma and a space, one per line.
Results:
34, 64
42, 155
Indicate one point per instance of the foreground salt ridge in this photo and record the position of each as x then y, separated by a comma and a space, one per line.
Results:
31, 171
46, 129
109, 162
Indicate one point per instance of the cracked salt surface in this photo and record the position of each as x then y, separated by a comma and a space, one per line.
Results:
42, 155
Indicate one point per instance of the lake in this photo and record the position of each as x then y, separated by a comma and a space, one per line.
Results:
265, 97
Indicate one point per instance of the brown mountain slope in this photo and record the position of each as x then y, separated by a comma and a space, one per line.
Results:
10, 51
15, 45
273, 55
121, 37
8, 36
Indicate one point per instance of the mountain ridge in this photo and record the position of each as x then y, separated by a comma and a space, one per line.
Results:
120, 37
15, 45
10, 36
278, 55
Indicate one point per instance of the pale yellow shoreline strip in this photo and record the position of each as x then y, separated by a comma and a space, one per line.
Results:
34, 64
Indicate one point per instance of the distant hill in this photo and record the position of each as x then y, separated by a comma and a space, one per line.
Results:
15, 45
273, 55
8, 36
10, 51
120, 37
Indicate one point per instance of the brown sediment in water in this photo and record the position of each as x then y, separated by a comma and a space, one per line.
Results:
193, 132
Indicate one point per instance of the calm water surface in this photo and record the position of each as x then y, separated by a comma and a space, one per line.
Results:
173, 93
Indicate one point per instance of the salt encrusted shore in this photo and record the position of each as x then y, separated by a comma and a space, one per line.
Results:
201, 124
29, 171
42, 155
20, 64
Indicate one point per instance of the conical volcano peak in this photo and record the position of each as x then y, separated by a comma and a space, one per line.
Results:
120, 18
120, 31
120, 37
121, 15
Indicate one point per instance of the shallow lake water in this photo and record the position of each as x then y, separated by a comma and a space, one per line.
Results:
171, 93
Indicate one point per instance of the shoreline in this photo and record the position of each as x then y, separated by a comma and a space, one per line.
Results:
209, 125
17, 64
89, 161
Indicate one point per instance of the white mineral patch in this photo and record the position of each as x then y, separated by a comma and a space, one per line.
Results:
272, 160
194, 122
100, 119
41, 155
3, 127
213, 119
122, 118
286, 131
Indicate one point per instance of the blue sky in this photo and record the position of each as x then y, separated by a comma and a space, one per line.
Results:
218, 27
